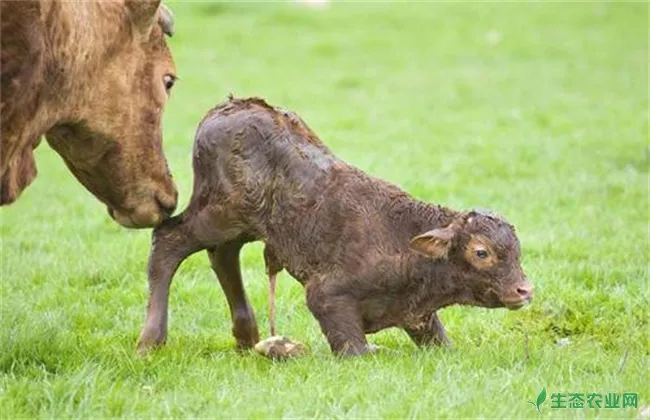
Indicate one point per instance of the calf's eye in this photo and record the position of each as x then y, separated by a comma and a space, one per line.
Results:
481, 253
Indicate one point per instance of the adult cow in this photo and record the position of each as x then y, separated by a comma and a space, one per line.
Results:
93, 77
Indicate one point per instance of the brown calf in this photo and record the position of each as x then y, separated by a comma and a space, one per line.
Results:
369, 255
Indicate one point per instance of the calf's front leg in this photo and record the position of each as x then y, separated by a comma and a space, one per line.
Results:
430, 332
171, 244
340, 321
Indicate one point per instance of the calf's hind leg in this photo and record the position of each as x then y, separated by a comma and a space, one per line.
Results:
225, 263
172, 242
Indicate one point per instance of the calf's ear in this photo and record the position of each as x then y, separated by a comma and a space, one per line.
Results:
434, 243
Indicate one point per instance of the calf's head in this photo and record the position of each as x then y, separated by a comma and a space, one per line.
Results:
111, 135
481, 253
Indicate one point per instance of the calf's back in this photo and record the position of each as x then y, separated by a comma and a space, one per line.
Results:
272, 177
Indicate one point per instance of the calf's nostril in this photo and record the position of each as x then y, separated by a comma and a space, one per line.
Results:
524, 291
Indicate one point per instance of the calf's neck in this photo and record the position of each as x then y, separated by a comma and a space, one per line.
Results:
369, 255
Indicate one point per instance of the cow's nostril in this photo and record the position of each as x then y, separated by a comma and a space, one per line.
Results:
167, 208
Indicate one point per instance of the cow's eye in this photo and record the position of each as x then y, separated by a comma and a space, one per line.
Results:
481, 253
169, 80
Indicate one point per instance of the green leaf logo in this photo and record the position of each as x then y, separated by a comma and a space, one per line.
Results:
540, 399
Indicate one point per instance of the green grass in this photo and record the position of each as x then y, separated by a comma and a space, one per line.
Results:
536, 110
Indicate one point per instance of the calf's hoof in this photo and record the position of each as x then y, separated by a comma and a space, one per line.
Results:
149, 339
374, 349
280, 348
245, 343
366, 349
446, 344
245, 331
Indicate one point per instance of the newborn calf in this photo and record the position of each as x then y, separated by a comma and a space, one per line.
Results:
369, 255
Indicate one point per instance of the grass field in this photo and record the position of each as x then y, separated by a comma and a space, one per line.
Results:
538, 111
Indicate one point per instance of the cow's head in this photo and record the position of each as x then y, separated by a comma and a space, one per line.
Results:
111, 138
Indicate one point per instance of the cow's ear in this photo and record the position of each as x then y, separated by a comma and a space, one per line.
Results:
434, 243
143, 13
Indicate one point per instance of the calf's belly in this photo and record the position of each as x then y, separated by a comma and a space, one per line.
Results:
370, 327
377, 316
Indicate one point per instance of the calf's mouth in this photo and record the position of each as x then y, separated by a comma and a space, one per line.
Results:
513, 305
520, 296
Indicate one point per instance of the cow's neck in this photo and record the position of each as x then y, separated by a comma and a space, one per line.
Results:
72, 51
71, 46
